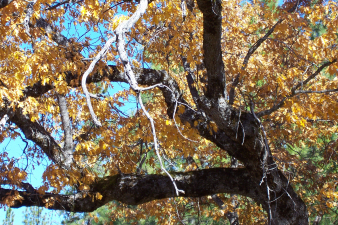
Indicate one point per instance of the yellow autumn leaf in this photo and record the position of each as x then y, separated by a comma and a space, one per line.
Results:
98, 196
117, 20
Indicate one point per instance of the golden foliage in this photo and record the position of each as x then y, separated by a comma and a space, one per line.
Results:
287, 57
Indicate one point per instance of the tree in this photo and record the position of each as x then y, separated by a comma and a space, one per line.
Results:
34, 215
9, 220
249, 80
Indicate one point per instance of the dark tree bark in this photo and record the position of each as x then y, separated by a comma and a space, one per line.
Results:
247, 144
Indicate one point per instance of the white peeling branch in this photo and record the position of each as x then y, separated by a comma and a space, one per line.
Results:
67, 129
29, 13
85, 75
318, 92
184, 9
120, 33
3, 122
156, 145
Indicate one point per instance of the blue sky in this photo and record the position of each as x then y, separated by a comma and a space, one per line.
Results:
16, 147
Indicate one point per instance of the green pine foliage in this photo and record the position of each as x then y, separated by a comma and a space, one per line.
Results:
9, 220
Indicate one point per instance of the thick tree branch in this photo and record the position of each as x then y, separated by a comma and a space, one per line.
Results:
246, 145
35, 132
137, 189
4, 3
212, 35
191, 81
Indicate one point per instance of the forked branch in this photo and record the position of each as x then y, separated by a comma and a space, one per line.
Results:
120, 33
294, 90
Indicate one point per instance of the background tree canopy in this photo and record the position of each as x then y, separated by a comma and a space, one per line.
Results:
236, 108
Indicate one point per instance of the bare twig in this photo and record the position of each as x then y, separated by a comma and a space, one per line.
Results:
294, 90
177, 125
286, 45
156, 144
175, 108
317, 92
302, 83
258, 43
250, 52
239, 122
57, 5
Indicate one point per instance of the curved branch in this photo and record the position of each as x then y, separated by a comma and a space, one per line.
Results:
294, 90
135, 189
86, 74
36, 133
258, 43
144, 76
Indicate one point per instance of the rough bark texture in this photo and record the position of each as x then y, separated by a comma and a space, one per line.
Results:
137, 189
4, 3
245, 143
